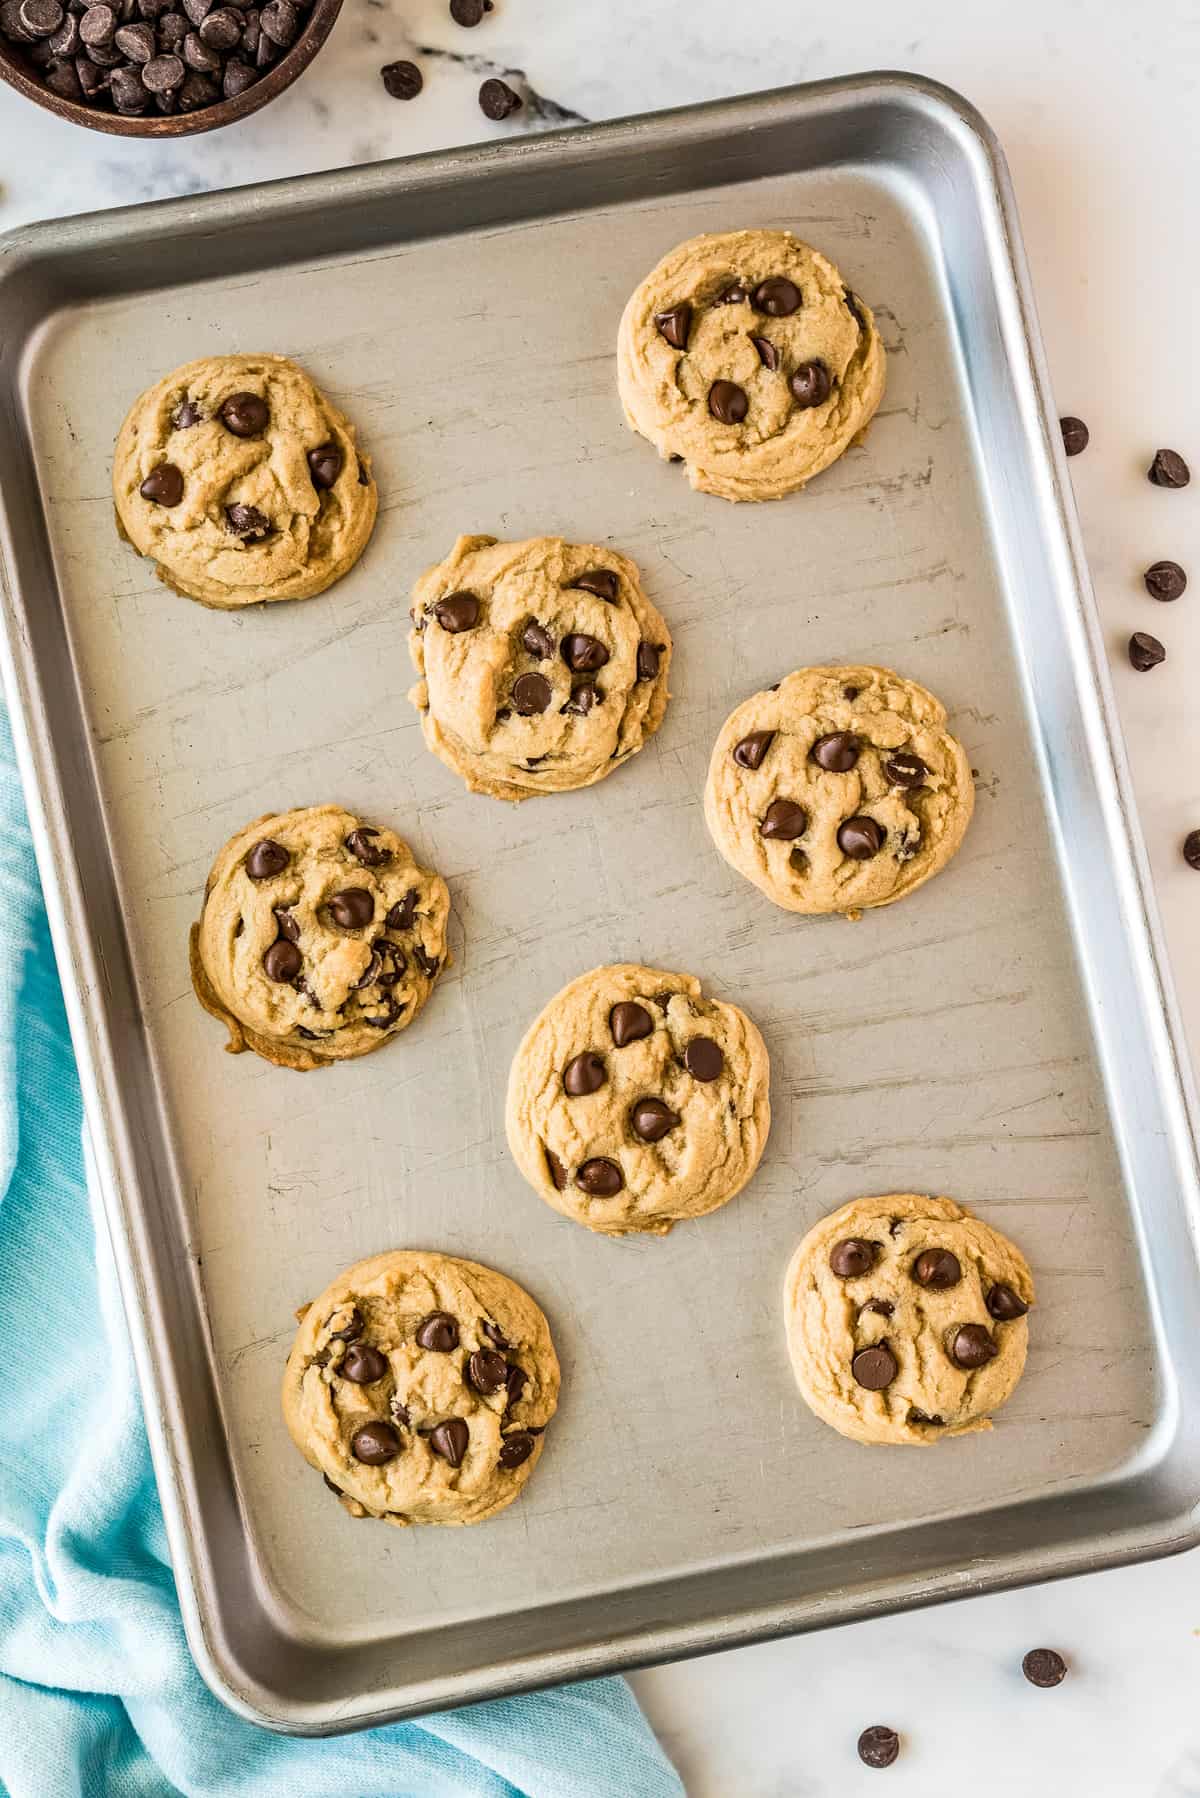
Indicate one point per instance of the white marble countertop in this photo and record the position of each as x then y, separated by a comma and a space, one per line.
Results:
1095, 103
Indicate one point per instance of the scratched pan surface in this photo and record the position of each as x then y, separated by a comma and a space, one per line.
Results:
1002, 1036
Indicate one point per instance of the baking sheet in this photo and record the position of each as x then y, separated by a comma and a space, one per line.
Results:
954, 1043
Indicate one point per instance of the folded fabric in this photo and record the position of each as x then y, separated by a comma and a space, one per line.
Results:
99, 1697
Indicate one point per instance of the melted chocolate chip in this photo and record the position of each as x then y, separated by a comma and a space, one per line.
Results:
674, 325
629, 1022
602, 582
938, 1269
364, 849
325, 465
353, 908
555, 1169
905, 769
703, 1059
450, 1439
852, 1257
531, 694
402, 915
583, 654
881, 1307
457, 612
188, 414
245, 414
428, 964
266, 859
750, 751
811, 385
768, 354
861, 838
837, 751
584, 1074
438, 1332
777, 297
971, 1346
248, 523
537, 640
647, 660
515, 1449
363, 1364
516, 1381
651, 1119
1004, 1304
494, 1334
282, 962
375, 1443
600, 1177
286, 923
732, 296
349, 1330
163, 486
784, 820
874, 1368
486, 1371
728, 402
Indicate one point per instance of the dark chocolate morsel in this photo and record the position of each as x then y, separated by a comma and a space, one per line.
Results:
629, 1022
971, 1346
1004, 1304
837, 751
651, 1119
266, 859
487, 1371
874, 1368
450, 1439
703, 1059
600, 1177
282, 962
362, 1364
602, 582
439, 1332
245, 414
784, 820
750, 751
584, 1073
353, 908
852, 1257
375, 1443
938, 1269
515, 1449
163, 486
674, 325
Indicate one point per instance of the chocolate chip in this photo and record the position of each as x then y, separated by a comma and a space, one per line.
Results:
385, 1020
1165, 580
584, 695
785, 820
98, 25
188, 415
938, 1269
1044, 1667
971, 1346
878, 1746
494, 1334
199, 57
363, 1364
1191, 849
915, 1416
750, 751
282, 962
1004, 1304
245, 414
196, 10
393, 960
674, 325
861, 838
336, 1490
402, 80
352, 908
221, 30
585, 1073
537, 640
90, 75
651, 1119
629, 1022
399, 1412
728, 402
583, 654
236, 79
439, 1332
137, 42
370, 974
497, 100
1145, 651
555, 1168
266, 859
600, 581
325, 464
905, 769
881, 1307
450, 1439
732, 296
402, 915
40, 18
1169, 469
837, 751
874, 1368
163, 74
375, 1443
486, 1371
280, 21
287, 924
516, 1381
852, 1257
163, 486
364, 849
1075, 435
457, 612
768, 355
811, 385
428, 964
248, 523
703, 1059
600, 1177
647, 661
350, 1329
853, 307
531, 694
129, 95
515, 1449
469, 12
777, 297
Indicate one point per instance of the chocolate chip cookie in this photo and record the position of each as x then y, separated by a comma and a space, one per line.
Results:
745, 354
421, 1386
838, 789
320, 938
242, 482
543, 665
634, 1102
906, 1319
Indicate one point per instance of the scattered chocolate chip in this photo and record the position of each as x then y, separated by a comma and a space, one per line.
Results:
647, 660
384, 1020
1191, 849
861, 838
837, 751
1044, 1667
881, 1307
286, 923
851, 693
364, 849
584, 695
352, 908
439, 1332
393, 960
583, 654
777, 297
515, 1449
728, 402
1169, 469
450, 1439
915, 1416
905, 769
768, 354
457, 612
732, 296
199, 57
469, 12
516, 1381
750, 751
1004, 1304
600, 581
325, 464
163, 486
1145, 651
878, 1746
399, 1412
402, 915
375, 1443
972, 1346
811, 385
629, 1022
651, 1119
237, 78
402, 80
363, 1364
487, 1371
1075, 435
531, 694
600, 1177
938, 1269
874, 1368
852, 1257
585, 1073
785, 820
674, 325
537, 640
248, 523
349, 1330
267, 858
703, 1059
188, 414
1165, 580
245, 414
428, 964
494, 1334
370, 974
497, 100
282, 962
555, 1168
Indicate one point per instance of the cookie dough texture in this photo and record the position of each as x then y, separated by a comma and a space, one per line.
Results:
830, 1319
532, 682
323, 944
710, 294
624, 1036
917, 811
250, 523
372, 1314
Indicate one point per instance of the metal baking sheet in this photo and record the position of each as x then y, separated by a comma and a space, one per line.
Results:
1005, 1035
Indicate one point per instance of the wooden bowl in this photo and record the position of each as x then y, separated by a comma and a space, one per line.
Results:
20, 73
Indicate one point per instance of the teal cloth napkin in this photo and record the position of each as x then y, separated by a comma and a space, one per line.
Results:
98, 1694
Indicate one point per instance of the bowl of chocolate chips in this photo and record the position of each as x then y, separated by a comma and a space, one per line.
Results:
158, 68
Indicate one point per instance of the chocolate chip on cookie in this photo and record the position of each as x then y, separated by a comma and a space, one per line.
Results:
325, 464
583, 654
768, 355
749, 752
558, 1173
362, 1364
776, 296
163, 486
457, 612
352, 908
600, 1176
531, 695
860, 838
1004, 1304
837, 751
266, 859
648, 658
810, 384
450, 1440
402, 915
537, 640
629, 1022
728, 402
852, 1257
938, 1269
784, 819
375, 1444
439, 1332
674, 325
875, 1368
905, 769
971, 1345
364, 847
282, 962
516, 1448
651, 1119
600, 581
245, 414
487, 1371
584, 1073
704, 1059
